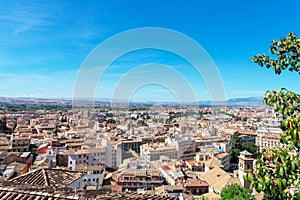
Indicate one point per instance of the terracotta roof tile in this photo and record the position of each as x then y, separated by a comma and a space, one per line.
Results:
216, 178
48, 177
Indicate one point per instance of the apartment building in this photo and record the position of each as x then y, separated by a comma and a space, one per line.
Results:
153, 151
210, 140
15, 144
87, 157
186, 146
132, 179
268, 138
111, 152
125, 149
268, 141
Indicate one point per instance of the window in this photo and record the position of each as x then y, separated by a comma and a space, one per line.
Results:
248, 166
71, 162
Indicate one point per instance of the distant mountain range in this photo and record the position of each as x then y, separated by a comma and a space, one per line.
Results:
249, 101
246, 101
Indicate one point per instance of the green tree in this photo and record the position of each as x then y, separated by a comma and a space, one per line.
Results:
111, 121
235, 147
277, 171
250, 147
235, 192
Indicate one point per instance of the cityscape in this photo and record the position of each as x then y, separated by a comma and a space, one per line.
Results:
153, 150
149, 100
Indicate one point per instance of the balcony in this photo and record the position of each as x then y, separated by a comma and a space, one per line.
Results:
140, 181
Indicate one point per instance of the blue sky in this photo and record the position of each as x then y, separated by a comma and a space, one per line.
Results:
44, 43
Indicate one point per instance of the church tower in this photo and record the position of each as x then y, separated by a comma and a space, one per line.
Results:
245, 165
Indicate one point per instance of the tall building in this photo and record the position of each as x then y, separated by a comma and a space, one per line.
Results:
111, 152
245, 166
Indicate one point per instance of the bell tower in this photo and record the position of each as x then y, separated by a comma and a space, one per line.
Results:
245, 165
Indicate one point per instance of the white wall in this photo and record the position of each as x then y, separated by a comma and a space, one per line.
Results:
71, 162
90, 179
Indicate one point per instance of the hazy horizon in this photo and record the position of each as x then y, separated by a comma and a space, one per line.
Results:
43, 47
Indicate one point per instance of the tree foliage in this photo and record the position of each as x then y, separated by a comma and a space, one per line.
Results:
285, 53
237, 146
111, 121
235, 192
250, 147
277, 171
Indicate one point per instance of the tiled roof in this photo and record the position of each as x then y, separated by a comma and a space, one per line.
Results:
195, 183
134, 196
187, 196
218, 178
48, 177
234, 180
213, 162
221, 155
13, 193
18, 167
210, 196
